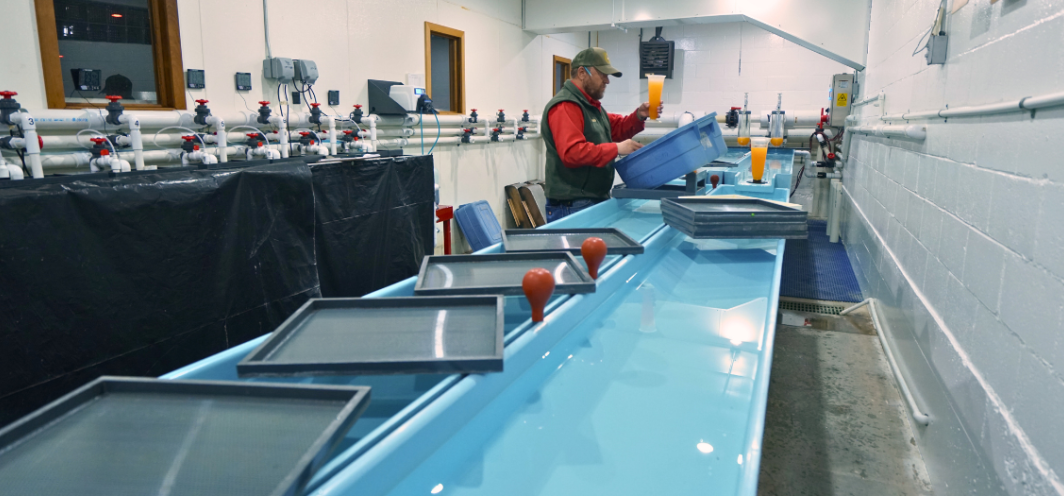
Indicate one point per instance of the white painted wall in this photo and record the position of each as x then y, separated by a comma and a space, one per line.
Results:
352, 41
715, 64
962, 237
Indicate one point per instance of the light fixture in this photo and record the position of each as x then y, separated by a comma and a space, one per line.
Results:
704, 447
437, 489
116, 15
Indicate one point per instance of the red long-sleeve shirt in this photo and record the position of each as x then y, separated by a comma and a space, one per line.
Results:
567, 127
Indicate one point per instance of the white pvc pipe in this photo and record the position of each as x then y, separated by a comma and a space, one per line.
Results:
219, 126
996, 108
33, 147
332, 133
1042, 101
282, 132
917, 132
10, 171
801, 118
136, 139
918, 416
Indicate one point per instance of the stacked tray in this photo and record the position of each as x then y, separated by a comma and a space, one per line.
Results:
708, 217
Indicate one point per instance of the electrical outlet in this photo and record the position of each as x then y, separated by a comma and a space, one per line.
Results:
195, 79
334, 97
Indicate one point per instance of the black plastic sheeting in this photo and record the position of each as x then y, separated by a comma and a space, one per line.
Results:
371, 222
145, 272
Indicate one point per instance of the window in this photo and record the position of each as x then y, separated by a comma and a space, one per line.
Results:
445, 68
134, 44
562, 66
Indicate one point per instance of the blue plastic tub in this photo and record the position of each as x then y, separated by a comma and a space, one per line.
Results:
673, 155
478, 224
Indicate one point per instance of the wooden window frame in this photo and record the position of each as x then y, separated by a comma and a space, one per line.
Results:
166, 52
554, 67
458, 99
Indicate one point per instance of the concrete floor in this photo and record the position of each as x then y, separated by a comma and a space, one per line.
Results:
836, 423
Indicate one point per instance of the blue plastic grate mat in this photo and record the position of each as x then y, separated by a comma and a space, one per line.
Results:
818, 269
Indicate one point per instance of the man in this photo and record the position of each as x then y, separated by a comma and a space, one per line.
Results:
582, 139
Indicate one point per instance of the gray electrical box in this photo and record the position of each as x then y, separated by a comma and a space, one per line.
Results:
936, 49
306, 71
841, 99
278, 68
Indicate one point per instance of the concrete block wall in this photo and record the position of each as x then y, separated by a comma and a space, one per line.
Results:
715, 64
352, 41
961, 238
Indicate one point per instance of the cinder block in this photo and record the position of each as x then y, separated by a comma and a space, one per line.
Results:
973, 195
959, 310
1049, 232
1039, 401
916, 215
935, 280
1015, 208
951, 250
996, 353
931, 227
983, 262
925, 176
945, 184
1031, 305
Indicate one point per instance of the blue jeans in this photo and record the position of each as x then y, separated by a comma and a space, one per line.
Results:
560, 210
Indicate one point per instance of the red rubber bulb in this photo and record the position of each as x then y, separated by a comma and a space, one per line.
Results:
714, 179
538, 285
594, 252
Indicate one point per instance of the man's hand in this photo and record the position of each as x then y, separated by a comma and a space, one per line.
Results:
644, 111
627, 146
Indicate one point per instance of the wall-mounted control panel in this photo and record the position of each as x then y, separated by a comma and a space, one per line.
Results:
195, 79
280, 69
841, 99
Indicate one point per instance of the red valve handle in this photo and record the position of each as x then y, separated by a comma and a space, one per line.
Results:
304, 133
354, 138
7, 94
831, 156
496, 130
736, 108
474, 110
188, 138
201, 102
315, 105
264, 103
500, 110
526, 111
467, 130
348, 132
113, 98
252, 135
358, 105
97, 140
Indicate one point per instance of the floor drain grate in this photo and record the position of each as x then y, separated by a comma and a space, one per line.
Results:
811, 308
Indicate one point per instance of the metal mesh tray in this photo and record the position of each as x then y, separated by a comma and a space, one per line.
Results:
538, 240
353, 336
119, 436
499, 274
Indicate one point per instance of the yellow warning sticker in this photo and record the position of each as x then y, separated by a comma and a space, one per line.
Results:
841, 101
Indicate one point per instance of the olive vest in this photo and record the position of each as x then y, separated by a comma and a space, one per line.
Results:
564, 183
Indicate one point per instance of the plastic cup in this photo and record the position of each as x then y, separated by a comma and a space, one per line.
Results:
758, 153
654, 85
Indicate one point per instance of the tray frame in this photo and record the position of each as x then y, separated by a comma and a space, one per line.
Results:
255, 363
292, 484
632, 247
586, 284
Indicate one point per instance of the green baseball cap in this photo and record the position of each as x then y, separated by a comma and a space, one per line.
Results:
597, 58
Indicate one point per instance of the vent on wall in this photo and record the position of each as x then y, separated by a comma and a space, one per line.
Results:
655, 56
